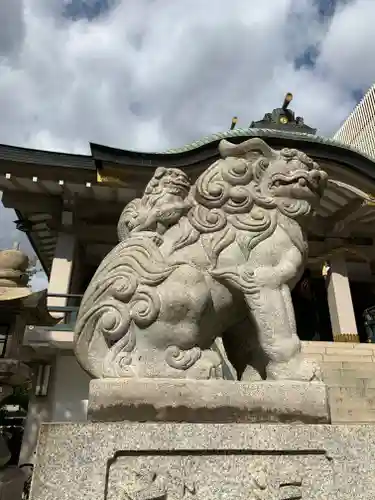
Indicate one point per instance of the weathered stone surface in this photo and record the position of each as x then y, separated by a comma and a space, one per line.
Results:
207, 401
13, 260
13, 276
109, 461
198, 262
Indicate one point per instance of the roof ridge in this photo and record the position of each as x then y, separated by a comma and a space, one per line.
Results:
259, 132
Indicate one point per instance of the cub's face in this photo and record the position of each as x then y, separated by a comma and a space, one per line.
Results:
170, 181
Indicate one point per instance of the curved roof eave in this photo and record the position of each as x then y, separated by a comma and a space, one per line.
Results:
190, 154
41, 157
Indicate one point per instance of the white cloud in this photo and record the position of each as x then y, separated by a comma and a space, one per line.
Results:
348, 49
39, 282
154, 74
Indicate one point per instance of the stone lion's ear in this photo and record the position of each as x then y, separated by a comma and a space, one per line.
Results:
250, 149
159, 172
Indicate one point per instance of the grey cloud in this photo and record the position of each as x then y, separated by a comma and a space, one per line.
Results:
89, 9
12, 25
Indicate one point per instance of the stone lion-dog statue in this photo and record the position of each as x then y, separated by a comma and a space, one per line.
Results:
196, 262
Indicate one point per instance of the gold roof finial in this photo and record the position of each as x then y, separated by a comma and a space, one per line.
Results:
234, 122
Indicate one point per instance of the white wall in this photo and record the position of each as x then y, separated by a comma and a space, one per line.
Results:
69, 391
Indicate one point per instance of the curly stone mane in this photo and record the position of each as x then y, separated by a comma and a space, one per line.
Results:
227, 196
227, 204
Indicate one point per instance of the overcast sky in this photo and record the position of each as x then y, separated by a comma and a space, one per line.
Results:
154, 74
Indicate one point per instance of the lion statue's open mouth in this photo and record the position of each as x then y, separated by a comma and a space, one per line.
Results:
179, 186
311, 183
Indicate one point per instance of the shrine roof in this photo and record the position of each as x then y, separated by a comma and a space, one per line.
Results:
12, 157
206, 149
37, 183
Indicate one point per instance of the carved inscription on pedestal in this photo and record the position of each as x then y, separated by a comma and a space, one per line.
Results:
237, 476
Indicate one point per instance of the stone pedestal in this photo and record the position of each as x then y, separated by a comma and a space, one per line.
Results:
149, 461
217, 401
200, 459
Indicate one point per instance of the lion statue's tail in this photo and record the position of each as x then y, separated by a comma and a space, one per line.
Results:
120, 296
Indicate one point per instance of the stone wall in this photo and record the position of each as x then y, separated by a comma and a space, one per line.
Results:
349, 372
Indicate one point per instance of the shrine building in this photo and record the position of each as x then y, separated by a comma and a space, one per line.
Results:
69, 205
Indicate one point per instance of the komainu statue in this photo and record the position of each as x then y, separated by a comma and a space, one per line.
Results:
196, 262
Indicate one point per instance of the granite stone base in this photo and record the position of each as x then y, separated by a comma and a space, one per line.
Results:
170, 461
216, 401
